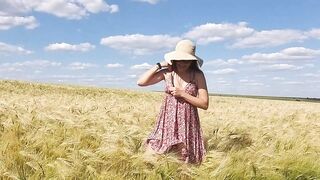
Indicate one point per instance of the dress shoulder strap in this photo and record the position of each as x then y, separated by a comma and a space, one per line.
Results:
169, 79
172, 78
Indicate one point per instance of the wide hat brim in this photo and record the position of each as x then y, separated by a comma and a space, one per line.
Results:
178, 55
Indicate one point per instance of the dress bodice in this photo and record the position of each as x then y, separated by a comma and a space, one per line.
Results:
190, 88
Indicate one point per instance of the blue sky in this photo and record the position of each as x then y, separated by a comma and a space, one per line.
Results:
249, 47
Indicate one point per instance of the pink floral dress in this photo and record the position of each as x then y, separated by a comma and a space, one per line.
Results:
178, 123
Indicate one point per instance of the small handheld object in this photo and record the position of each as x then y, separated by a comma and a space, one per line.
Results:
159, 66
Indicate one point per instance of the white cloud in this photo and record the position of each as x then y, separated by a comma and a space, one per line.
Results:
281, 67
132, 76
278, 78
69, 9
293, 53
60, 8
81, 66
96, 6
270, 38
221, 62
260, 75
300, 52
254, 84
85, 78
212, 32
293, 83
314, 33
246, 37
12, 49
243, 80
83, 47
148, 1
7, 22
73, 9
223, 71
39, 63
139, 44
7, 69
221, 81
311, 75
26, 65
248, 82
68, 76
116, 65
13, 7
143, 66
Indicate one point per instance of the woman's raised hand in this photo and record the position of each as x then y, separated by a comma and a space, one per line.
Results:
165, 64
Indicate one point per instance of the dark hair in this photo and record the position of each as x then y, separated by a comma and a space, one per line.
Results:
194, 66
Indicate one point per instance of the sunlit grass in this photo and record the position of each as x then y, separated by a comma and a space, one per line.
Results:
69, 132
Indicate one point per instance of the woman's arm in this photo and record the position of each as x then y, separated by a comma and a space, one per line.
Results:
152, 76
202, 101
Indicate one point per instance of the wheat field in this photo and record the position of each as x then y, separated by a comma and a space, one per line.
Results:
72, 132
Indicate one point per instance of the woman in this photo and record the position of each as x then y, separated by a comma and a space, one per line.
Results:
178, 127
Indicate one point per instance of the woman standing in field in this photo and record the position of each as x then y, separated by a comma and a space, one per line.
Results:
178, 127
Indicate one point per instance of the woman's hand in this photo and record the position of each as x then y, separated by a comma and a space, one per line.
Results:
177, 92
165, 64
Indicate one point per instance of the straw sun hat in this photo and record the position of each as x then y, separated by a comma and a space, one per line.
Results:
185, 50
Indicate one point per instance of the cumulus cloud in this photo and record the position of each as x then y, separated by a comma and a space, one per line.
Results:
314, 75
223, 71
12, 49
221, 62
27, 65
239, 35
92, 79
132, 76
278, 78
293, 83
292, 53
212, 32
248, 82
60, 8
314, 33
7, 22
81, 66
116, 65
270, 38
142, 66
83, 47
244, 80
139, 44
149, 1
13, 7
254, 84
69, 9
69, 76
276, 67
242, 36
96, 6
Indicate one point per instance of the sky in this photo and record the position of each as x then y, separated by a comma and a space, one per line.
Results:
249, 47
